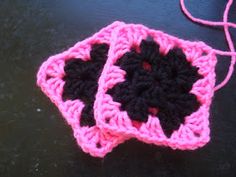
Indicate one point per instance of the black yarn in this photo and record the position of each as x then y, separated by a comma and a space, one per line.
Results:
159, 82
81, 79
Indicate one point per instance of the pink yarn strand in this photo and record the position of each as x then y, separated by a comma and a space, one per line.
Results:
231, 47
201, 21
226, 26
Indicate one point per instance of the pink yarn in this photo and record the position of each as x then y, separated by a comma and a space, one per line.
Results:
226, 26
114, 126
49, 78
195, 131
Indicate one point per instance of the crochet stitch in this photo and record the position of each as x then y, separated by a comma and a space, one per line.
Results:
131, 81
169, 94
157, 85
69, 80
81, 81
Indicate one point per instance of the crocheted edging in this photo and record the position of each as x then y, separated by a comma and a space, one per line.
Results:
194, 132
50, 78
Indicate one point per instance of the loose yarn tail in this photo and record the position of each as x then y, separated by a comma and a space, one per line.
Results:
226, 26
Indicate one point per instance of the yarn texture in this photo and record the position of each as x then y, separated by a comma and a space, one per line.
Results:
81, 81
74, 97
158, 85
185, 80
130, 81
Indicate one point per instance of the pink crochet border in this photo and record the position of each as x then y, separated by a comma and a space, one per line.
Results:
49, 78
195, 131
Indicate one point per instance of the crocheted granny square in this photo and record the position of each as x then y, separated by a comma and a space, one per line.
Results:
70, 78
157, 88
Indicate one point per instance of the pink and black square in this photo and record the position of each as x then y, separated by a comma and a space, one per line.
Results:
70, 79
157, 88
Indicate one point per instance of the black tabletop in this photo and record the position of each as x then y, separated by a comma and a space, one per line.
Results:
34, 138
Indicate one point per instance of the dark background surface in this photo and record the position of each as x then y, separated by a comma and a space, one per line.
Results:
35, 140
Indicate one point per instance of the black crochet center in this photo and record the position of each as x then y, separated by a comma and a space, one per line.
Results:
81, 80
156, 84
